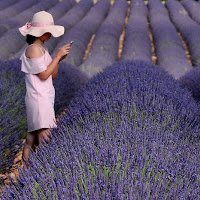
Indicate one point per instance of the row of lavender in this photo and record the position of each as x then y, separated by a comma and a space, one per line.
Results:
82, 32
16, 8
104, 50
182, 19
137, 45
141, 144
191, 80
12, 105
6, 4
192, 8
169, 48
189, 29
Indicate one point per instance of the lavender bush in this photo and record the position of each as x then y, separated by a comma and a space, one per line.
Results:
192, 8
191, 81
169, 49
82, 32
67, 83
104, 49
12, 115
137, 44
115, 145
189, 29
148, 99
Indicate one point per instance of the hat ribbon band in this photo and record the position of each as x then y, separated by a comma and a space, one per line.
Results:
28, 25
36, 24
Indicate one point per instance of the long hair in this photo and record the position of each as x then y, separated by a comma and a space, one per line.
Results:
30, 39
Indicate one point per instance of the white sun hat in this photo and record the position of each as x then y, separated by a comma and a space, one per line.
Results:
42, 22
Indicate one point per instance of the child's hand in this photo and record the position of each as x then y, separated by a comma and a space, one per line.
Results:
63, 51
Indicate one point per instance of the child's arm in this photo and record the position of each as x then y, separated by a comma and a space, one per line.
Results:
52, 68
54, 74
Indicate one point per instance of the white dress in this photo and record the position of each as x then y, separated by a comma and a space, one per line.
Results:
40, 94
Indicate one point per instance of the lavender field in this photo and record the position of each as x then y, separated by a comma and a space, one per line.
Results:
127, 102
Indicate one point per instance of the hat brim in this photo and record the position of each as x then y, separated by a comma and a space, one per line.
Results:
55, 30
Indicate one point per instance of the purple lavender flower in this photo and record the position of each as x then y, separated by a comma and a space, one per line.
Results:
192, 83
67, 83
12, 113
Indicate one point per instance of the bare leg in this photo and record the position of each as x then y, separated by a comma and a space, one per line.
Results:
31, 141
43, 133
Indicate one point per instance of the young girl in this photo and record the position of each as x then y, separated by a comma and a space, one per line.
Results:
40, 69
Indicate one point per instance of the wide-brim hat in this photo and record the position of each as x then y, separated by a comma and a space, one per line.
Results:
41, 23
